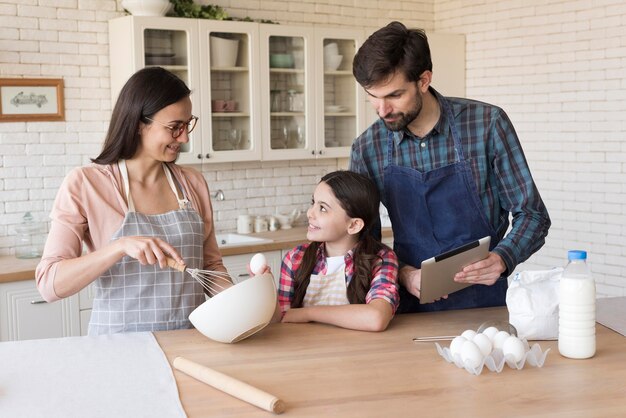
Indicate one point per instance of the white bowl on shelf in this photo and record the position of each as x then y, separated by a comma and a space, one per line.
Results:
331, 63
147, 7
331, 49
237, 312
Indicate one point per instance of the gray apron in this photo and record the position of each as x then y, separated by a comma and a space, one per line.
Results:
130, 297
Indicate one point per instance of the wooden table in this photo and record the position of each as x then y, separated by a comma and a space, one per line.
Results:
324, 371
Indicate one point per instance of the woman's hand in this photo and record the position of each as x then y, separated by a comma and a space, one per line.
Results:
148, 250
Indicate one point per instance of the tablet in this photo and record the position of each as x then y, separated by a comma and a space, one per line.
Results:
438, 272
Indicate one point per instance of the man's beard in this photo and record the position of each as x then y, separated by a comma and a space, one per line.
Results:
405, 118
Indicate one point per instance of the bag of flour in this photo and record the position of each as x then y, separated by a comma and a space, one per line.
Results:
533, 303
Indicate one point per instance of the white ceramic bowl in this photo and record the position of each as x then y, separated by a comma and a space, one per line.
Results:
331, 49
147, 7
332, 62
238, 312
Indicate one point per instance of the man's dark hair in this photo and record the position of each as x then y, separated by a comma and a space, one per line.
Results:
392, 49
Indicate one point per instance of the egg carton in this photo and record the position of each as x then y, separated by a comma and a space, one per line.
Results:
495, 361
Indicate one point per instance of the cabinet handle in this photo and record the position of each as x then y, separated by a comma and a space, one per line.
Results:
313, 152
199, 156
320, 152
208, 156
243, 275
37, 302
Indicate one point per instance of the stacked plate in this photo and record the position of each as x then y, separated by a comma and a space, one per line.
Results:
335, 108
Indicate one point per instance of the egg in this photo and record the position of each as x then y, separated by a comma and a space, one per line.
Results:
471, 354
490, 332
469, 334
258, 263
499, 338
484, 343
456, 344
513, 347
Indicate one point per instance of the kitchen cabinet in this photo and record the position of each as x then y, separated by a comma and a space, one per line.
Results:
25, 315
237, 265
341, 115
314, 108
230, 105
273, 100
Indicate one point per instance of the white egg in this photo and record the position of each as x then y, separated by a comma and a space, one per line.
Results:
490, 332
513, 347
499, 338
258, 262
456, 344
469, 334
484, 343
471, 354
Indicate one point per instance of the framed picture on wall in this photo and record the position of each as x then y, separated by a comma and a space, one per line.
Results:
31, 99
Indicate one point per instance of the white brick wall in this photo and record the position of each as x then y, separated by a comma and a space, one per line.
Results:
559, 68
556, 67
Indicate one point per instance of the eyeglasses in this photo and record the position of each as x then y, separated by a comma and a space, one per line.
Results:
177, 130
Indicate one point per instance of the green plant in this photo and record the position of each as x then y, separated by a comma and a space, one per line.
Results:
187, 8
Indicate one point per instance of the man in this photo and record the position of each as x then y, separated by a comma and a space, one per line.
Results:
449, 171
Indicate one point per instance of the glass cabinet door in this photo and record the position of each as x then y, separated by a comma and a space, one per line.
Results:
172, 43
286, 58
287, 92
343, 99
230, 104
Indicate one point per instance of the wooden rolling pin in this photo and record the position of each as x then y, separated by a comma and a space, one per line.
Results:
230, 385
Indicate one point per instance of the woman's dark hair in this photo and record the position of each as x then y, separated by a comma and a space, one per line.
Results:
390, 49
144, 94
359, 197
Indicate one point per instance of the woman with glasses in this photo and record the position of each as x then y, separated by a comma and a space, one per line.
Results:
130, 209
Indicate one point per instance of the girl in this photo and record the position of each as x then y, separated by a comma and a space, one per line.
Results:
343, 276
131, 209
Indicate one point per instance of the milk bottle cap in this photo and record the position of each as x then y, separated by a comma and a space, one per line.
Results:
576, 255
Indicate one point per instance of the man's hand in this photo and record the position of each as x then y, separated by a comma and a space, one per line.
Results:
485, 271
411, 279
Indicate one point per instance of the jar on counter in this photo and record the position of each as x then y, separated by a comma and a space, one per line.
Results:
274, 225
260, 224
244, 224
29, 238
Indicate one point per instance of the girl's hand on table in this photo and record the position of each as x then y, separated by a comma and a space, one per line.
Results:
295, 315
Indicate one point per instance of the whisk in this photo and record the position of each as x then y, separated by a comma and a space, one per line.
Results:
212, 281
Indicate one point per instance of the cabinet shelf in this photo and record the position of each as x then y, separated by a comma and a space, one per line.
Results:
230, 115
172, 68
339, 73
229, 69
286, 71
286, 114
340, 114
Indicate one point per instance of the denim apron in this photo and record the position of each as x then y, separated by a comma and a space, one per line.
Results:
436, 211
130, 297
